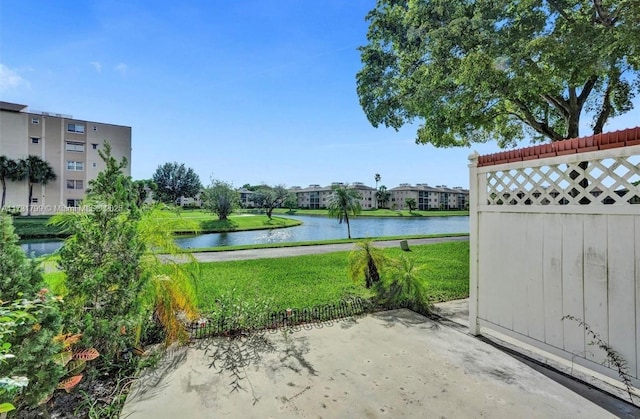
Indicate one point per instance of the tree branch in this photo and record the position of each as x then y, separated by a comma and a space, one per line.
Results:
605, 111
586, 90
528, 118
559, 103
604, 17
554, 4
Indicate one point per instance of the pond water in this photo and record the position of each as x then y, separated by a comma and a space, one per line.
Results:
312, 228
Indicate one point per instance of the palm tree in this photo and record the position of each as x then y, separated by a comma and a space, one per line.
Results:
343, 201
377, 177
35, 170
8, 169
405, 285
411, 203
366, 260
382, 196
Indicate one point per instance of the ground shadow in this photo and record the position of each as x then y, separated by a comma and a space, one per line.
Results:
405, 317
153, 380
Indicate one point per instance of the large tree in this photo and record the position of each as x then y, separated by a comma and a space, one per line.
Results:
268, 197
145, 188
382, 196
174, 180
476, 70
411, 203
36, 171
220, 198
342, 201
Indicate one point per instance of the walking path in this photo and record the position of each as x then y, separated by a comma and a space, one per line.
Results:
308, 250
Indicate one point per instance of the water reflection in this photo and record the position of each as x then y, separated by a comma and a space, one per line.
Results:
325, 228
313, 228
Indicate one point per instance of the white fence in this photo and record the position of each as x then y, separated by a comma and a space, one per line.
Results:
559, 236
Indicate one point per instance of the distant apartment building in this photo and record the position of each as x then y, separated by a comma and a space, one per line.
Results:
69, 145
246, 198
317, 197
427, 197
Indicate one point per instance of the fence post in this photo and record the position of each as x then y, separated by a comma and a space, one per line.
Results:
474, 327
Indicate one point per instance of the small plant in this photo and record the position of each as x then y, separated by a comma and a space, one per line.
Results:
236, 316
11, 316
366, 261
74, 361
404, 285
613, 358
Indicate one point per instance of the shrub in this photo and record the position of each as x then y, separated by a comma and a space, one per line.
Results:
366, 261
404, 285
31, 340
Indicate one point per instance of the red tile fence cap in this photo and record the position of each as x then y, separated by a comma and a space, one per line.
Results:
622, 138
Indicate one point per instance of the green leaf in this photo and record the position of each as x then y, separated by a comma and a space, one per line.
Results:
76, 366
63, 358
6, 407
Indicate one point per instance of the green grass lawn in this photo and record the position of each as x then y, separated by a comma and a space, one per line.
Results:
306, 281
312, 280
36, 226
375, 213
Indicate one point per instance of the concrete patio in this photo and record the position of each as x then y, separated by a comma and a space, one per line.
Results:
389, 364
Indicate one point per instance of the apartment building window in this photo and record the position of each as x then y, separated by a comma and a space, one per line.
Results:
74, 203
35, 140
76, 166
74, 184
74, 146
35, 120
95, 146
95, 128
76, 128
94, 164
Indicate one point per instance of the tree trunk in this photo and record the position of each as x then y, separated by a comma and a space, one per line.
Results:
29, 203
372, 273
346, 217
4, 192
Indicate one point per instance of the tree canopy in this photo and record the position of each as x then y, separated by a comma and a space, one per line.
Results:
35, 170
220, 198
174, 180
9, 170
382, 196
268, 197
476, 70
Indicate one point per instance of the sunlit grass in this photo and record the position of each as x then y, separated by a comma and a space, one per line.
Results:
312, 280
38, 227
305, 281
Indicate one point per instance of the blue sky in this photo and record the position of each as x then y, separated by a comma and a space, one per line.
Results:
242, 91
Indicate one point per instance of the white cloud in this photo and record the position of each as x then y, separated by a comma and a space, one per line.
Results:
10, 78
121, 68
96, 65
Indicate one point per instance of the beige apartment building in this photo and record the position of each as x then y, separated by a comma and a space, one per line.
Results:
317, 197
427, 197
69, 145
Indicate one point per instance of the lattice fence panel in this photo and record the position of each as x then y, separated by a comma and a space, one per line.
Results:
607, 181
